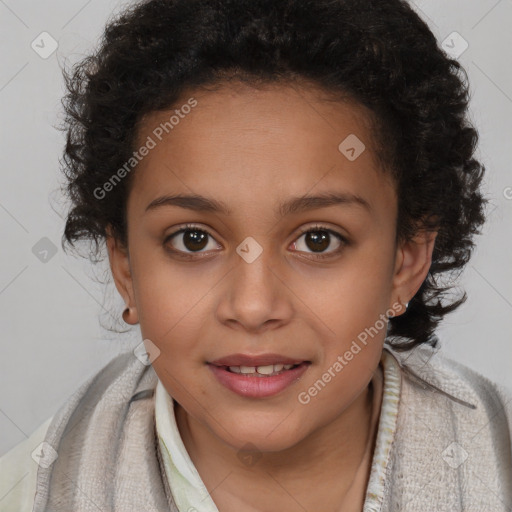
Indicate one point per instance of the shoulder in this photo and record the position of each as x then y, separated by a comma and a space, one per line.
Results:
445, 397
453, 434
19, 466
18, 472
430, 368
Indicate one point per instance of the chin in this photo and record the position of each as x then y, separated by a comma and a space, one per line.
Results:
260, 437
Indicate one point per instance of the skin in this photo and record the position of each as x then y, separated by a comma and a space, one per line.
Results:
253, 149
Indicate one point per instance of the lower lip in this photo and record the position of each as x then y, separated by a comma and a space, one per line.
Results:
257, 387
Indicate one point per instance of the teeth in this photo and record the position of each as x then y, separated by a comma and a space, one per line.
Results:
265, 370
262, 370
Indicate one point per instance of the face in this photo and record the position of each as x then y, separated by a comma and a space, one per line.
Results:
234, 272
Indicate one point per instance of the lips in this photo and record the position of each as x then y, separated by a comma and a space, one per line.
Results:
258, 386
256, 360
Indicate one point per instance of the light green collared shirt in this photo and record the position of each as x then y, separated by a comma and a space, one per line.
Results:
188, 489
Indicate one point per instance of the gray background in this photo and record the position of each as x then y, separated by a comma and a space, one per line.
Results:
51, 306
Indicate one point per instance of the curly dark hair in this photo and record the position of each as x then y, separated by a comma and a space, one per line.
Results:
379, 53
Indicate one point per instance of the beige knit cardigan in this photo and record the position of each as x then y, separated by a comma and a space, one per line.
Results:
451, 450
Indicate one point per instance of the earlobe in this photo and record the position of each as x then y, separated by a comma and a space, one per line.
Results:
412, 263
121, 272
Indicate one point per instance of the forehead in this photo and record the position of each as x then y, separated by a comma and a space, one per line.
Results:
251, 145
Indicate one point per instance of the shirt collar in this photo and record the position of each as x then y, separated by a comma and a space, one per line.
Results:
187, 487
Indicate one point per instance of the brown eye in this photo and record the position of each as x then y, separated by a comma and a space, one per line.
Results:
318, 239
189, 240
194, 240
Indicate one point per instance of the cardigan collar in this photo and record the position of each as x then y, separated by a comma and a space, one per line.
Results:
450, 449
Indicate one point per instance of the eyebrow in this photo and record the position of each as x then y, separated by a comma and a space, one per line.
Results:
291, 206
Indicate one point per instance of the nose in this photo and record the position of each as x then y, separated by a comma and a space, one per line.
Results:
254, 296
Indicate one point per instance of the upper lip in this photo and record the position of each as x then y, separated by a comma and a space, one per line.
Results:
260, 360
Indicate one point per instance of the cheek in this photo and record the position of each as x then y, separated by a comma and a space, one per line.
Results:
168, 294
172, 318
351, 295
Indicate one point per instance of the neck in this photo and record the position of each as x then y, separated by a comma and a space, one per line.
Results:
344, 447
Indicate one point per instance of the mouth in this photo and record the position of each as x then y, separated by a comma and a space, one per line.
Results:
258, 381
269, 370
253, 361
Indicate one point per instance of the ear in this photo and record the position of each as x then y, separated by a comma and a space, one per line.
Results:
412, 263
120, 266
